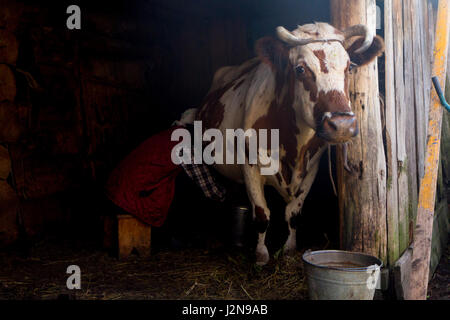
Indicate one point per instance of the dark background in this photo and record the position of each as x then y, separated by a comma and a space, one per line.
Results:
130, 71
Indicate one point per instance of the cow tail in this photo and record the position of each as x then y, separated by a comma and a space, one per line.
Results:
188, 117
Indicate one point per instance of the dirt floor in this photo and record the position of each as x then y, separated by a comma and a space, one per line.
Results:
215, 273
218, 273
439, 288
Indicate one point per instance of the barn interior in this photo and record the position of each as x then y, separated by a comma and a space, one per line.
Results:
74, 103
80, 100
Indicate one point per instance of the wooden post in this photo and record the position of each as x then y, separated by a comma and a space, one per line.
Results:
362, 194
427, 194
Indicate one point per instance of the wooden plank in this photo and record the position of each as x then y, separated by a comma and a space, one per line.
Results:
428, 83
425, 212
427, 38
445, 139
410, 123
402, 275
400, 102
422, 38
363, 200
402, 268
391, 138
418, 59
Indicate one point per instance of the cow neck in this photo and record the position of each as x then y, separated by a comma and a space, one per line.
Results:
281, 115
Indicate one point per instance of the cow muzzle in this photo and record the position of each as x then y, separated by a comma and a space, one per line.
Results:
338, 127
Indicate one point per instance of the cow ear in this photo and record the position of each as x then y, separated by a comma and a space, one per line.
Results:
272, 52
361, 59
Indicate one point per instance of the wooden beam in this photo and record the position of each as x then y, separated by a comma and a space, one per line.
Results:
427, 194
400, 107
422, 78
362, 193
411, 71
445, 139
402, 275
391, 138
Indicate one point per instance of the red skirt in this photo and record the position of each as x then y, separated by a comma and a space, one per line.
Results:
143, 184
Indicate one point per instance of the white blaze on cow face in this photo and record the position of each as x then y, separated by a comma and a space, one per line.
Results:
321, 90
320, 68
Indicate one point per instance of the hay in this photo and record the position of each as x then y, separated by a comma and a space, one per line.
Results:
221, 274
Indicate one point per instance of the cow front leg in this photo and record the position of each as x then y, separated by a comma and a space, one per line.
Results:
292, 210
261, 214
294, 207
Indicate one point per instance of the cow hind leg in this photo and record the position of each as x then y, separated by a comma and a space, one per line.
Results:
261, 213
261, 218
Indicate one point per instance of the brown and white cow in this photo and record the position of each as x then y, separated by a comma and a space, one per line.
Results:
298, 83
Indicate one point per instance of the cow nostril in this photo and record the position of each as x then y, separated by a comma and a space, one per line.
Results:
332, 124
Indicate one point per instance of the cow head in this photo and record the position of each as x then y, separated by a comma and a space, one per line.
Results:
313, 63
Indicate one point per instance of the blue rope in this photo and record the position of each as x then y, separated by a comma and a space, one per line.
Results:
437, 86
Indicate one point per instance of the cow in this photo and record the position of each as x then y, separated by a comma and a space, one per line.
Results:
298, 83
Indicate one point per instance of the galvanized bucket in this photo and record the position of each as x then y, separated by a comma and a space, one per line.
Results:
239, 221
341, 275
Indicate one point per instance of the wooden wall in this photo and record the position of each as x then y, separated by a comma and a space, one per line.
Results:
408, 80
409, 36
383, 189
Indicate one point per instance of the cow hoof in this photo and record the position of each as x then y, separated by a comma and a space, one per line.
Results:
289, 251
262, 256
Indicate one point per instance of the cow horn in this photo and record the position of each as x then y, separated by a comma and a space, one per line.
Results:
360, 30
287, 37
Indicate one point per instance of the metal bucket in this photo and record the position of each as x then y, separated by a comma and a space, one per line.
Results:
239, 222
341, 275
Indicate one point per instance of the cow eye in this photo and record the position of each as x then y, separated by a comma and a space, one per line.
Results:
300, 70
352, 66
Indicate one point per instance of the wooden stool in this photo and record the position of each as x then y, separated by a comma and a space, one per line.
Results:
124, 233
